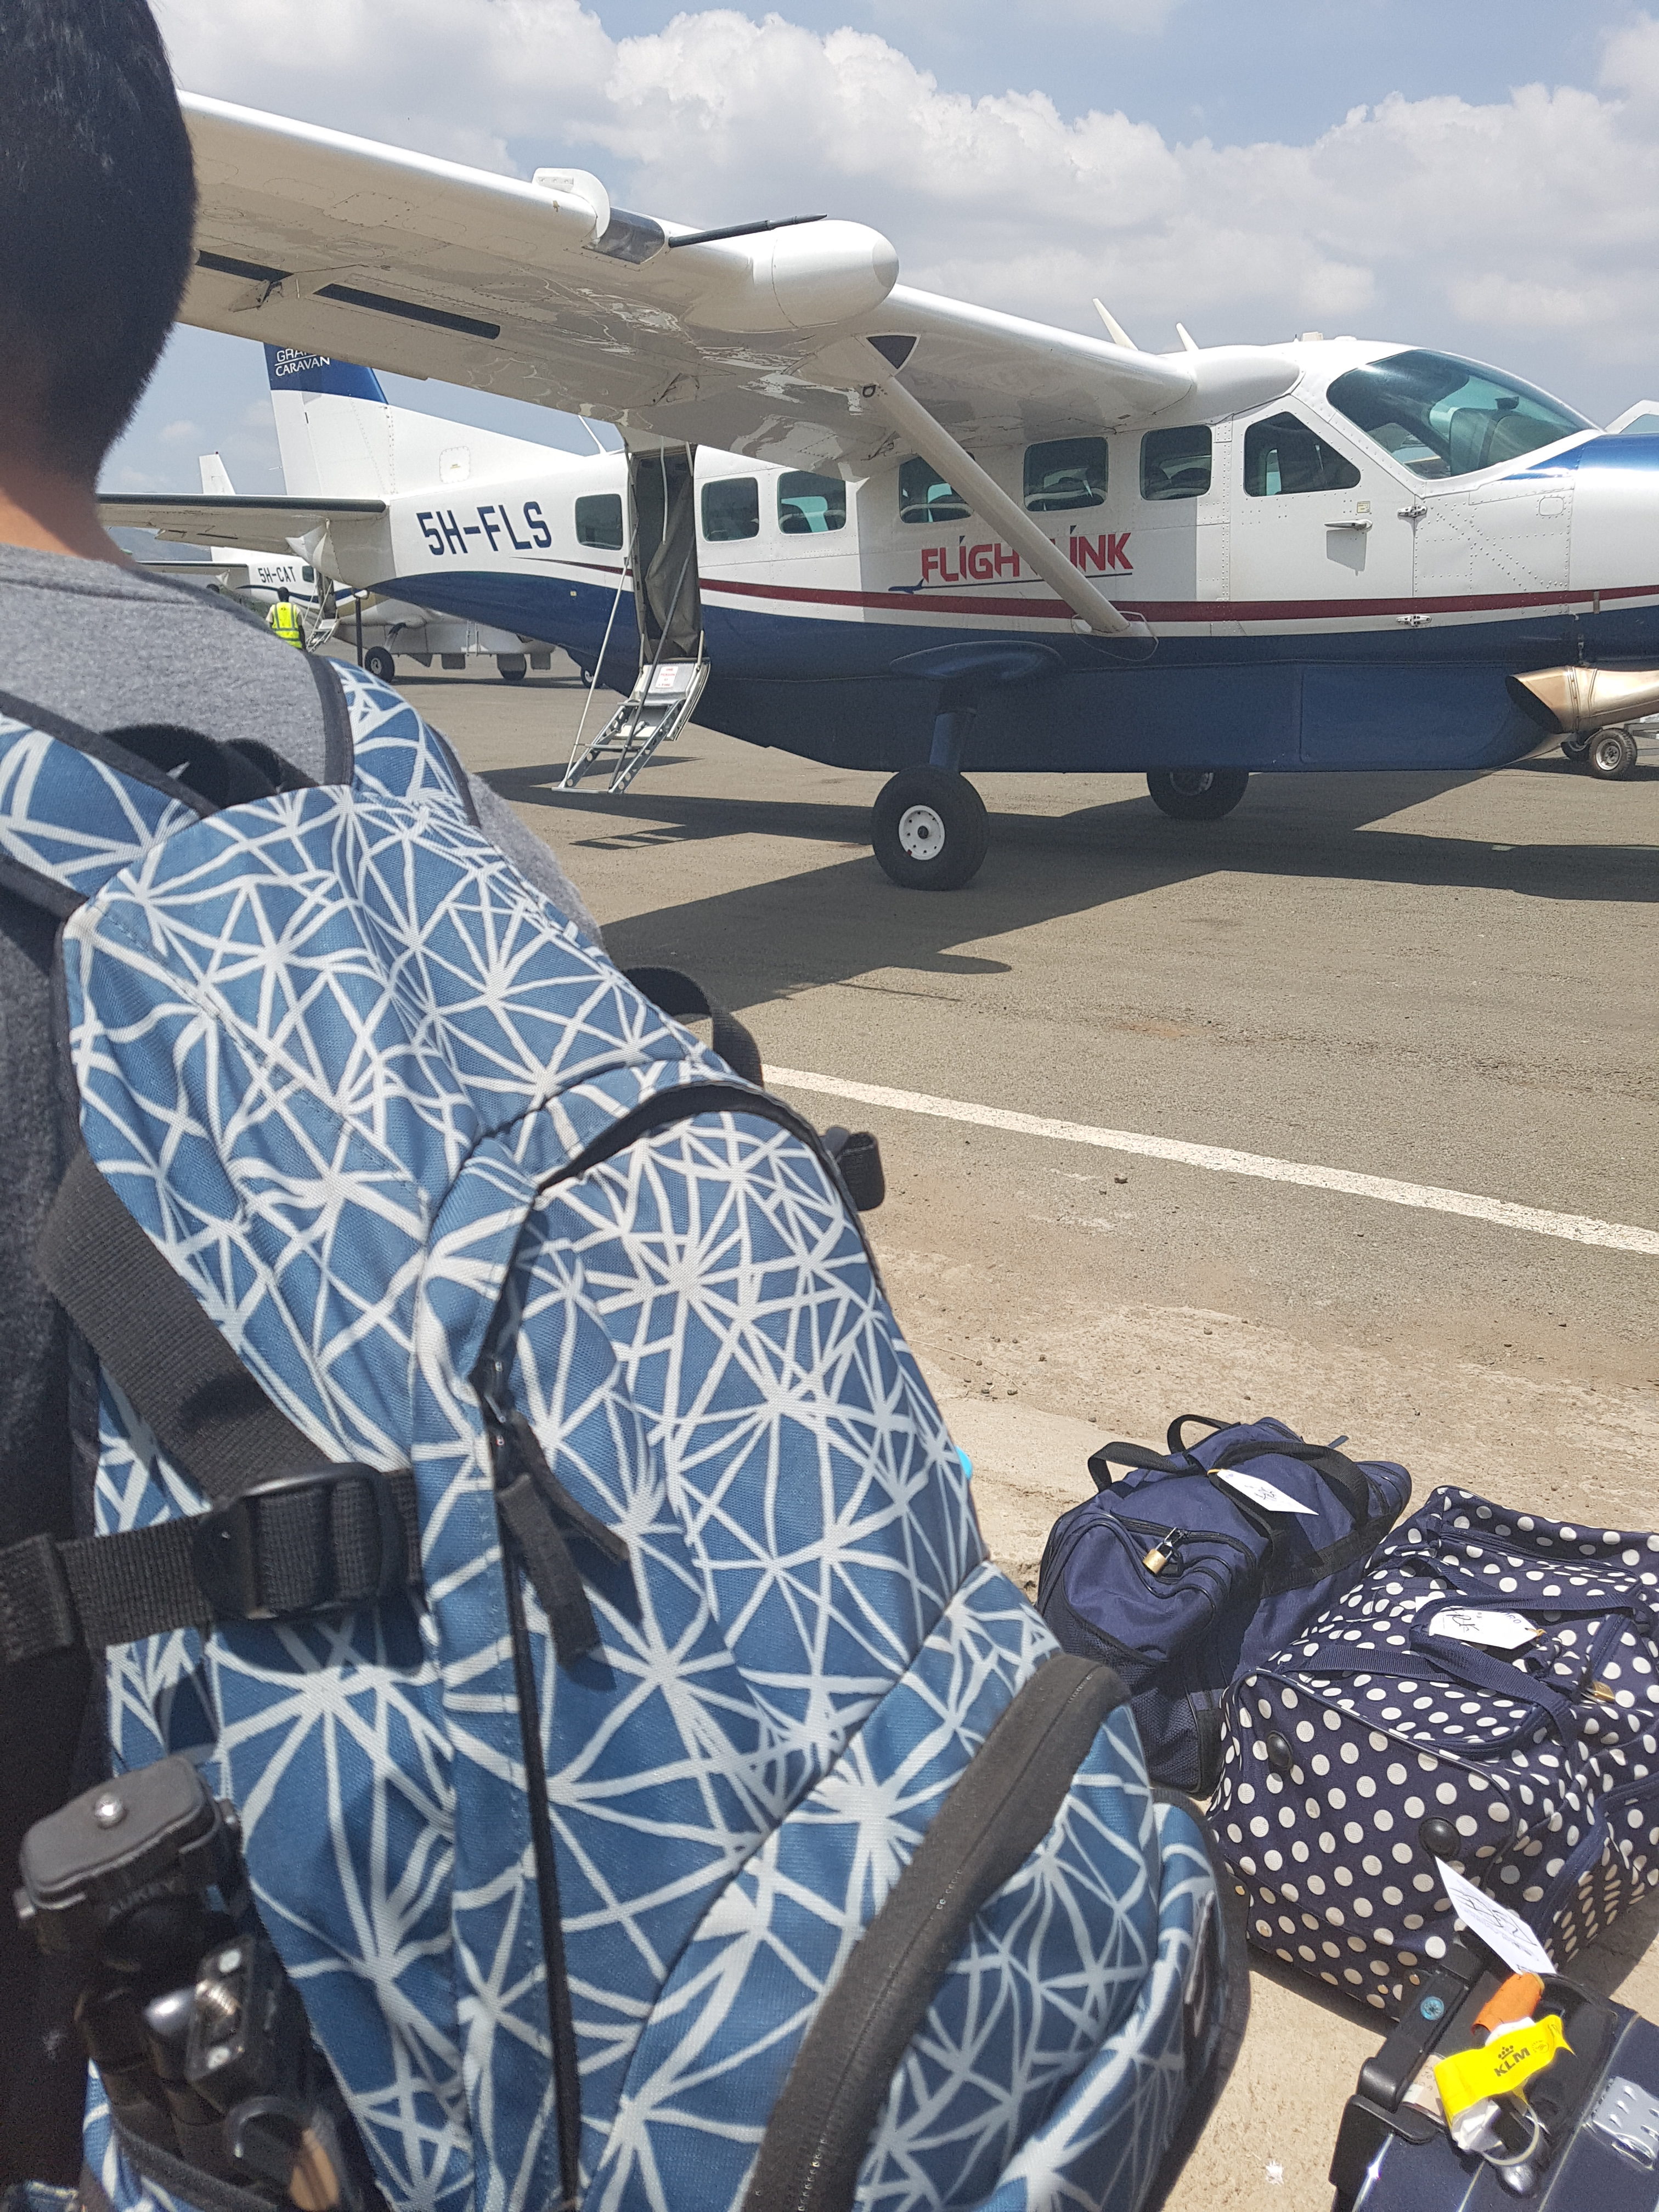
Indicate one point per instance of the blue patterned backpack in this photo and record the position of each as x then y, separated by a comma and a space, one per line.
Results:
514, 1498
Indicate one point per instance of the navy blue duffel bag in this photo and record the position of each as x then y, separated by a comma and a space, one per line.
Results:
1191, 1568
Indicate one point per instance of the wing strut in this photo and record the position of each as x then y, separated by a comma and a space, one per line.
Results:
962, 472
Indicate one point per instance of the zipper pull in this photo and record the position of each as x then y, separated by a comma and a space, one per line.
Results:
489, 1380
1163, 1551
1604, 1694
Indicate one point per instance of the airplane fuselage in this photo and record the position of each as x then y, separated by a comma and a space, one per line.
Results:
1314, 599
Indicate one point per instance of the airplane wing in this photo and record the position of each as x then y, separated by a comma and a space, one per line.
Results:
263, 526
771, 341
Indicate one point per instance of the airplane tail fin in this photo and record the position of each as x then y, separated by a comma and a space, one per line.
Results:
341, 439
333, 426
215, 476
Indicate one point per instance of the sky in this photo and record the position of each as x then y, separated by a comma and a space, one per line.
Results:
1478, 175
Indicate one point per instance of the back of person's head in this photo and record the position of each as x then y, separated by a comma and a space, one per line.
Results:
97, 207
281, 593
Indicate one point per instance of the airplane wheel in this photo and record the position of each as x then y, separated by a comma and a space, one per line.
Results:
380, 664
1197, 795
512, 667
1574, 748
1612, 755
929, 830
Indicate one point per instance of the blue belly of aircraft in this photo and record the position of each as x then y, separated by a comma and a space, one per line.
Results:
1361, 699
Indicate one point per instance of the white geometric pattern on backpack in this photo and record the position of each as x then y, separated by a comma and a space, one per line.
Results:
64, 815
329, 1044
1565, 1833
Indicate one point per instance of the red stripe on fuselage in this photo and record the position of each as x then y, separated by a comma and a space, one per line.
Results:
1182, 610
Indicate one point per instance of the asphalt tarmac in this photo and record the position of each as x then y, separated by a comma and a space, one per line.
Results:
1448, 982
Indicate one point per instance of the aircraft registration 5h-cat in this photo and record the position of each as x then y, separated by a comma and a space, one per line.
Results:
886, 530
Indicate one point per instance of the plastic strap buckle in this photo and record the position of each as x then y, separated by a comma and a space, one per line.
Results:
226, 1557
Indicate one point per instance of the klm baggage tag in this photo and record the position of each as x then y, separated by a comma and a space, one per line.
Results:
1267, 1495
1505, 2064
1500, 1929
1498, 1631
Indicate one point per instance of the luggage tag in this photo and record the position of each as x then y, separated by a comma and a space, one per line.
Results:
1505, 2064
1267, 1495
1497, 1631
1503, 1931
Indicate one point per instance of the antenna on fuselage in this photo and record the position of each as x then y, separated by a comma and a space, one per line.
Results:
1186, 337
1119, 334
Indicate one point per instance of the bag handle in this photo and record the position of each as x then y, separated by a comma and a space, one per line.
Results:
1569, 1608
1177, 1460
1341, 1474
1176, 1440
683, 998
1432, 1657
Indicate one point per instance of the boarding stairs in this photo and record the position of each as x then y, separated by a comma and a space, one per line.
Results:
655, 712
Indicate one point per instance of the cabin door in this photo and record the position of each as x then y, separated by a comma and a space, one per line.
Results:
663, 537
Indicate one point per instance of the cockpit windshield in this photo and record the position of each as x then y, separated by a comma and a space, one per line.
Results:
1446, 417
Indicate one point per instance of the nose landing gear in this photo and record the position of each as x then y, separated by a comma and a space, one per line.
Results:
1611, 754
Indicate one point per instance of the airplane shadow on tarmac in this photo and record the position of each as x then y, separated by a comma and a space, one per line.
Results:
827, 925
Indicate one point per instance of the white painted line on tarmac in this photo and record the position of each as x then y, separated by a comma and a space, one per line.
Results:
1576, 1228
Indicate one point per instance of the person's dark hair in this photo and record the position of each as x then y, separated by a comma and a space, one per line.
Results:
97, 207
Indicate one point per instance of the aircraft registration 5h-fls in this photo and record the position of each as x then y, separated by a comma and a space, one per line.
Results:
885, 530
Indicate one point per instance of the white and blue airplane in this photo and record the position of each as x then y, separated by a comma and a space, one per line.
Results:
885, 530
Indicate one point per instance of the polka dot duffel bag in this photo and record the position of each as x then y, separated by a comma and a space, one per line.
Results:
1486, 1697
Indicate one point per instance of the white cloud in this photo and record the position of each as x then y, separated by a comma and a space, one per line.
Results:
178, 434
1525, 229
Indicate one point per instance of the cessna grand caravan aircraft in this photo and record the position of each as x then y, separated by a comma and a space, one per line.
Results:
886, 530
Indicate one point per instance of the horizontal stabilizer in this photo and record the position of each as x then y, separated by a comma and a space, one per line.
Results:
263, 525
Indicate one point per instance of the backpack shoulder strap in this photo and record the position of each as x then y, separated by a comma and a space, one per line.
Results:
76, 805
288, 1534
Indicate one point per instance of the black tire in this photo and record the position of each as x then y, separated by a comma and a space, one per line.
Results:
1197, 795
929, 830
1611, 755
1574, 748
512, 667
380, 664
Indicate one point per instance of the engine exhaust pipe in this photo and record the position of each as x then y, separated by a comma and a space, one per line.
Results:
1573, 702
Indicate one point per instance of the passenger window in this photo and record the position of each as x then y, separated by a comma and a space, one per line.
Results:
1065, 473
308, 575
811, 503
1284, 455
730, 508
924, 498
600, 520
1175, 463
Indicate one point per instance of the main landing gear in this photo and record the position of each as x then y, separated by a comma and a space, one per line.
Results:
929, 830
1197, 795
380, 664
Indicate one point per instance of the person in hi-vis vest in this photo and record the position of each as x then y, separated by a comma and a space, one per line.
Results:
284, 619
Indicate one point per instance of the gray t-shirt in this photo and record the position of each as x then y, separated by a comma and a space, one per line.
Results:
100, 646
